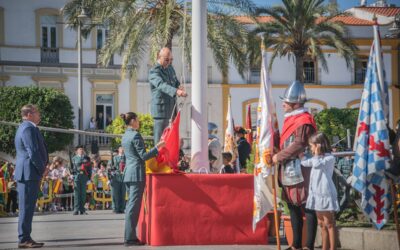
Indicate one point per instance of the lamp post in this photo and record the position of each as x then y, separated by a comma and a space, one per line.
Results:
81, 20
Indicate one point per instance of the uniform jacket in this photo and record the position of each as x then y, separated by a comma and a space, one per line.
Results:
32, 156
163, 85
136, 155
244, 150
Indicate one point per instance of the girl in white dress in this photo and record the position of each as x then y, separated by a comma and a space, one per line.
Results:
322, 195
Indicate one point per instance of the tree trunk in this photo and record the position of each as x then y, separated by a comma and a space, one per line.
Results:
299, 68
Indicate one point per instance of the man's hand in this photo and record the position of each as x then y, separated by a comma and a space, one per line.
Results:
181, 92
160, 144
275, 158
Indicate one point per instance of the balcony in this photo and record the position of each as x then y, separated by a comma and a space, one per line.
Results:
49, 55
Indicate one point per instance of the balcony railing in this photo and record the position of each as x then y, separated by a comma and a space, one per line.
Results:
49, 55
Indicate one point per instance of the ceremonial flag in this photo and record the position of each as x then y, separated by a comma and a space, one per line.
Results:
372, 141
230, 144
249, 135
170, 152
266, 127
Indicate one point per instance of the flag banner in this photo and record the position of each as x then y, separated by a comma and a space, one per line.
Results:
249, 135
372, 143
169, 154
230, 144
266, 127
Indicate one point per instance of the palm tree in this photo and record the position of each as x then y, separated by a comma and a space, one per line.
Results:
299, 29
139, 26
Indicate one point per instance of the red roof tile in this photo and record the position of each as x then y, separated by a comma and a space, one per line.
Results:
354, 21
383, 11
347, 20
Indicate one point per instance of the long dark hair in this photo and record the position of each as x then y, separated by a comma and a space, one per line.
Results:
321, 138
128, 117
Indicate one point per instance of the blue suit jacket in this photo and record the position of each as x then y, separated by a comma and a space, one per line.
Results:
136, 155
32, 156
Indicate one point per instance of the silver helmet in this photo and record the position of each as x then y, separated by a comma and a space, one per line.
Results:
212, 130
295, 93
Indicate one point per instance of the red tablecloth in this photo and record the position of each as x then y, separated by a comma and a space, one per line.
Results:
199, 209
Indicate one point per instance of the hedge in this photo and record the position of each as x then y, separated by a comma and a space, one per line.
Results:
55, 108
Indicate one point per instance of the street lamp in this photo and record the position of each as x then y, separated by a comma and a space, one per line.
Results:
82, 18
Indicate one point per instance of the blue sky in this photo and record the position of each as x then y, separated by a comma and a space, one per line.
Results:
343, 4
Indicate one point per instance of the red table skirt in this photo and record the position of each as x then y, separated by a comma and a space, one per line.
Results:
199, 209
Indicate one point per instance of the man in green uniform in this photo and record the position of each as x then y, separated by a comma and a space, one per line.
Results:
164, 87
81, 176
116, 178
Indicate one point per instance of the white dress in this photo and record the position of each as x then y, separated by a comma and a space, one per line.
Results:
322, 195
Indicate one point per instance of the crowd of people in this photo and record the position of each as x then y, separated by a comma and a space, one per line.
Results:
304, 157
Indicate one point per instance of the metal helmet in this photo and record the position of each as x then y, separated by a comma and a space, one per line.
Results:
212, 128
295, 93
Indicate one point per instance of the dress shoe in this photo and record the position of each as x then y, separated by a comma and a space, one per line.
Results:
133, 243
30, 244
75, 213
83, 213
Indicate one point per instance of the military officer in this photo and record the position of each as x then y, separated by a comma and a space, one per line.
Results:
81, 176
117, 182
164, 86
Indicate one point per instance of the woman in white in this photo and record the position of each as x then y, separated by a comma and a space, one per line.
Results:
322, 195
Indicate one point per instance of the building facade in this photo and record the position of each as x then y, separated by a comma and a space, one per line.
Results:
38, 48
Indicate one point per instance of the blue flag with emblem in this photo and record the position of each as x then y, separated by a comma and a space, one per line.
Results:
372, 141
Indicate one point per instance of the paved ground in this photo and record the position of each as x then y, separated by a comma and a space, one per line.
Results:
98, 230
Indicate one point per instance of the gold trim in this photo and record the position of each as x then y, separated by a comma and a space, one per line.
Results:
93, 34
244, 108
395, 105
353, 102
114, 92
319, 102
46, 78
2, 26
225, 95
4, 79
49, 12
395, 81
133, 92
100, 79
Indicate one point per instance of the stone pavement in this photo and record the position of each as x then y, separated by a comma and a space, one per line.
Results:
98, 230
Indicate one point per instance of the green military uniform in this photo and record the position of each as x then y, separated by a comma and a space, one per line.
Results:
163, 86
134, 178
80, 181
118, 190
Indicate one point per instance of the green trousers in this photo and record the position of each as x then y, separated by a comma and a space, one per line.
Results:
135, 191
80, 181
118, 192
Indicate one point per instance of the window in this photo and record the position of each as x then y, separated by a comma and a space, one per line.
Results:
309, 71
101, 39
48, 31
49, 43
360, 70
255, 75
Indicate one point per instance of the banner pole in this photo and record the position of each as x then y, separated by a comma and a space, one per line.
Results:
278, 238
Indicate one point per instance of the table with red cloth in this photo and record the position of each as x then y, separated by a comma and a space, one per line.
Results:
199, 209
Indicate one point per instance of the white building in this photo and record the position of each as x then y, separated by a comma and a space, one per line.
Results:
37, 48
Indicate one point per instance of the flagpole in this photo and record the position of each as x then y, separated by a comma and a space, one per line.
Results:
278, 238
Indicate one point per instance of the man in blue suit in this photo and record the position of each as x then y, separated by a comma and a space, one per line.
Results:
32, 158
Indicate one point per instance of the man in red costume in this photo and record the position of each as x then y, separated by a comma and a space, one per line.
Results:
294, 179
